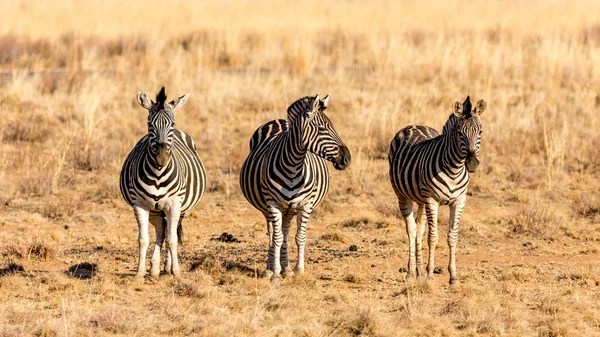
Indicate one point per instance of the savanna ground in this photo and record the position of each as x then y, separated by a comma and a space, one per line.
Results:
529, 244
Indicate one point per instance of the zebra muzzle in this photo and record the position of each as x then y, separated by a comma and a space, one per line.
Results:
472, 162
342, 161
163, 155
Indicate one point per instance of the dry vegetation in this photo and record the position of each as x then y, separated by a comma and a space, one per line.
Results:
530, 235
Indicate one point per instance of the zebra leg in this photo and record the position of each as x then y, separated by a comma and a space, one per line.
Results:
406, 208
168, 261
456, 210
173, 215
285, 262
269, 270
420, 220
302, 221
431, 209
142, 216
277, 241
159, 228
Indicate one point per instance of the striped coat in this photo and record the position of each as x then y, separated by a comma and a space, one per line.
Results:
285, 174
162, 178
430, 169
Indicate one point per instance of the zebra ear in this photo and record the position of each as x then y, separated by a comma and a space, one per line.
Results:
143, 100
481, 106
314, 107
323, 103
457, 109
179, 102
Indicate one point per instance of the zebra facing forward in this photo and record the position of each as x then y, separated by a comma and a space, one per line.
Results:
162, 178
431, 170
285, 174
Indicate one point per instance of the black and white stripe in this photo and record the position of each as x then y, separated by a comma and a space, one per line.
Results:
162, 178
431, 170
285, 174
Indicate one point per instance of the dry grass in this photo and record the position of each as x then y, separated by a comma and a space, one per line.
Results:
529, 244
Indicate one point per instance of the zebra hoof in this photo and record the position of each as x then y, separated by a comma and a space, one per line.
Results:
276, 281
454, 281
267, 274
139, 278
299, 270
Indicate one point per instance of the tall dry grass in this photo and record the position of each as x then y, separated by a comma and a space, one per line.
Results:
69, 72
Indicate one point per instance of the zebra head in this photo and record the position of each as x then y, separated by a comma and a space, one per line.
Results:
318, 134
161, 123
469, 130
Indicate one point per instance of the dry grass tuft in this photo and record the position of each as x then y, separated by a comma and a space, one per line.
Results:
587, 207
187, 289
363, 223
35, 248
355, 322
534, 218
353, 278
333, 237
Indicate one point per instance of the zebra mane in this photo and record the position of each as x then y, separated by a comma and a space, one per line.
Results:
298, 107
450, 125
161, 98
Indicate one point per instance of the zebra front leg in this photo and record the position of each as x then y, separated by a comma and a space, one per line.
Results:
142, 216
420, 221
406, 209
431, 209
159, 229
456, 210
173, 214
277, 240
302, 223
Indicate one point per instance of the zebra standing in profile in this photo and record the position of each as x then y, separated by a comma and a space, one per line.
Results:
431, 170
162, 178
285, 174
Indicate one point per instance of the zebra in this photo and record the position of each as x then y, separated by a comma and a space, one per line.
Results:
432, 170
285, 174
162, 178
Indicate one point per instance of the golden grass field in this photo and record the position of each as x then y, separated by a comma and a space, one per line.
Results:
529, 244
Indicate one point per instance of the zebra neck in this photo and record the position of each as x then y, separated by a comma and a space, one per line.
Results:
151, 166
294, 153
454, 156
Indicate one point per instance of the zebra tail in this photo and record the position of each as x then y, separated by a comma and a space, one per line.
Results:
394, 144
180, 230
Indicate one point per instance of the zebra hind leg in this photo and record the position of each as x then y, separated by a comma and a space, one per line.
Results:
406, 209
275, 216
268, 273
420, 221
431, 209
159, 229
285, 262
